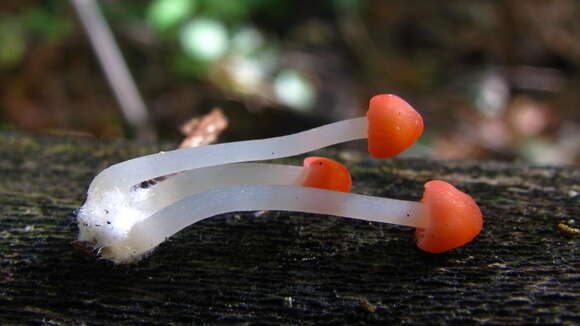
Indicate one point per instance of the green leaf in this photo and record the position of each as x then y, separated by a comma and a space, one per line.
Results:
13, 43
204, 39
293, 89
164, 14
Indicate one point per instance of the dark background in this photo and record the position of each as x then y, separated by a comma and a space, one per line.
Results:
493, 79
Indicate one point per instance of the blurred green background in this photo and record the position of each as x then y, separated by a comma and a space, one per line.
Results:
493, 79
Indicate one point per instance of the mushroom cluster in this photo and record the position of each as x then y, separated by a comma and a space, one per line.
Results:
123, 219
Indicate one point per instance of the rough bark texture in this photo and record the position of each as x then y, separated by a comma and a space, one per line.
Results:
289, 268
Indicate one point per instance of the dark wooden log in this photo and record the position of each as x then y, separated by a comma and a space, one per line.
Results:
289, 268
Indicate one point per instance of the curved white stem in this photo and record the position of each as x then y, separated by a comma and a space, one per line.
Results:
151, 231
124, 175
108, 220
199, 180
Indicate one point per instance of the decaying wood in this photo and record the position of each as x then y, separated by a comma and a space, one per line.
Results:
289, 268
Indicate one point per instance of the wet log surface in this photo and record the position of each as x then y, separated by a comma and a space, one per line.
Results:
289, 268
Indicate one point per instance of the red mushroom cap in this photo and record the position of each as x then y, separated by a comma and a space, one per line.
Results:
324, 173
393, 125
455, 218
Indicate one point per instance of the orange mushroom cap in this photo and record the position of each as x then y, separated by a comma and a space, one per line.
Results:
324, 173
455, 218
393, 125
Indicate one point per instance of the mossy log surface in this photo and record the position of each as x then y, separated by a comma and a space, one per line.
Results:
289, 267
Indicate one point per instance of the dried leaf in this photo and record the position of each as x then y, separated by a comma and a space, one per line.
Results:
203, 130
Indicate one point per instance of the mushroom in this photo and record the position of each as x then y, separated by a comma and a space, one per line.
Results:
455, 219
316, 172
446, 218
391, 126
125, 221
103, 223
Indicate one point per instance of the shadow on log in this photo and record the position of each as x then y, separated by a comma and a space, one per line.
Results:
284, 267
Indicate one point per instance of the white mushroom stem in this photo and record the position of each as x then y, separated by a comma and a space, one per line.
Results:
195, 181
124, 175
106, 221
153, 230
